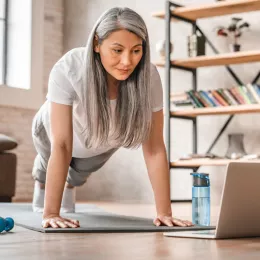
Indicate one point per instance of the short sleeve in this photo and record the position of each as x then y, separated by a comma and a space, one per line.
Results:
60, 89
156, 89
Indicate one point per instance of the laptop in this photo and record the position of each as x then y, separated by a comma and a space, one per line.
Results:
239, 214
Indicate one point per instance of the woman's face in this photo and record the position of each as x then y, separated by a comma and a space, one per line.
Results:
120, 53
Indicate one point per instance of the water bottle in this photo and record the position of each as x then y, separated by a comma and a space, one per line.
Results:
201, 199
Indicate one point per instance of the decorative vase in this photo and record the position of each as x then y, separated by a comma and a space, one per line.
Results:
196, 45
235, 47
160, 48
235, 146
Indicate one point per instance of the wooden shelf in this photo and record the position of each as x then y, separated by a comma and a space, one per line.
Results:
214, 9
191, 14
206, 162
215, 60
228, 110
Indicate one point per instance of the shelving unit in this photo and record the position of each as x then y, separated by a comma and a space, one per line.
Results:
190, 14
215, 60
228, 110
213, 9
202, 162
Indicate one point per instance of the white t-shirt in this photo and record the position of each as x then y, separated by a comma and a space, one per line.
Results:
63, 88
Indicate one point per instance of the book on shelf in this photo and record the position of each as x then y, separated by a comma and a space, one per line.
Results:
219, 96
238, 95
207, 98
239, 99
253, 92
232, 100
193, 99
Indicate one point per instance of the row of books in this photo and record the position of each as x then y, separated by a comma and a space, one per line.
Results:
239, 95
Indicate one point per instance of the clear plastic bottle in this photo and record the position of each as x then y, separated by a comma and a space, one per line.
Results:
201, 199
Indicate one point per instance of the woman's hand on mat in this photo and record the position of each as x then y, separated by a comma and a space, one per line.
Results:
56, 221
171, 221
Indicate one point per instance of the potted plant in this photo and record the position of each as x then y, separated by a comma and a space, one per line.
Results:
233, 31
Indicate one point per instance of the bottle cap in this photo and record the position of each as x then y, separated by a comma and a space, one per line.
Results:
200, 179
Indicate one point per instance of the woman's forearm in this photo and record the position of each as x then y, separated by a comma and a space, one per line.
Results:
57, 171
158, 170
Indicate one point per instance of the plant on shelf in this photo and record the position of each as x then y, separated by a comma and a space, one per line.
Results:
233, 31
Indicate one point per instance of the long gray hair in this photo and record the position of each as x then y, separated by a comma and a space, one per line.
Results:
133, 112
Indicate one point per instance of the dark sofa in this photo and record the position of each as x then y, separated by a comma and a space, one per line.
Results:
8, 163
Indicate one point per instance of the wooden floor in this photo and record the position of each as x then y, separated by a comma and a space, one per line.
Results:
25, 244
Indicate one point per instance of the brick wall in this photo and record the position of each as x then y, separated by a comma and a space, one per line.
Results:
53, 35
17, 122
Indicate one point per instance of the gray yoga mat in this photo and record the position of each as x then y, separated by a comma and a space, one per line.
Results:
92, 219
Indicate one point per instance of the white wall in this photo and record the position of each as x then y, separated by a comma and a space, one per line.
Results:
125, 176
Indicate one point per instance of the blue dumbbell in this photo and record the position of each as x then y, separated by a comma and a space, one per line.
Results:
6, 224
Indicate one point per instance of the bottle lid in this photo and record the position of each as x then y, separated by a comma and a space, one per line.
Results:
200, 179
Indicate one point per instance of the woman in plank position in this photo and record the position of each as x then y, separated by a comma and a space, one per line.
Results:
100, 97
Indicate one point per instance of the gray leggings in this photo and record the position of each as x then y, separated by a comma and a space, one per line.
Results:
79, 169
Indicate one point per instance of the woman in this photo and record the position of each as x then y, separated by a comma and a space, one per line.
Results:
102, 97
